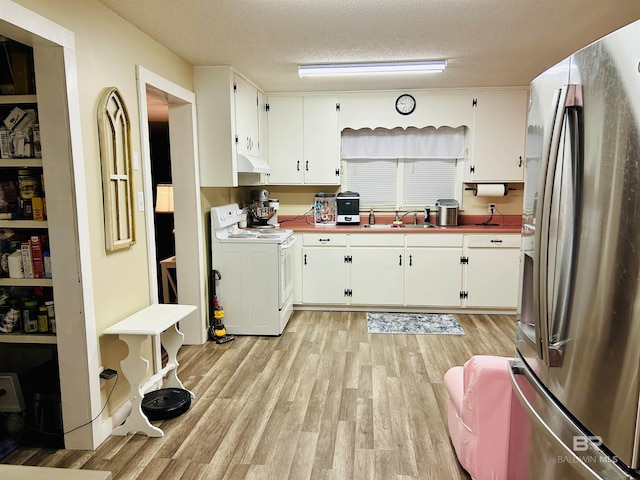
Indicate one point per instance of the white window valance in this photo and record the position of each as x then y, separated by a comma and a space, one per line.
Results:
416, 143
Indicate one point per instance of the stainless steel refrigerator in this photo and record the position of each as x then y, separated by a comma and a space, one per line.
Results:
577, 374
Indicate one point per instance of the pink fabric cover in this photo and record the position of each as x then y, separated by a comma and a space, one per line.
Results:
480, 414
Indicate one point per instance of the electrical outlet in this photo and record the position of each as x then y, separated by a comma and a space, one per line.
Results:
492, 208
108, 374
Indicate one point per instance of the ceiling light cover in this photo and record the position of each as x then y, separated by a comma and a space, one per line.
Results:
370, 68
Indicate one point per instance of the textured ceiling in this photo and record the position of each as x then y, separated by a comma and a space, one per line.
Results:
486, 42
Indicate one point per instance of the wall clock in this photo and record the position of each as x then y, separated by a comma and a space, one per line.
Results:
405, 104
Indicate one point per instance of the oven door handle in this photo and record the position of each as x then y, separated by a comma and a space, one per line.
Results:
288, 244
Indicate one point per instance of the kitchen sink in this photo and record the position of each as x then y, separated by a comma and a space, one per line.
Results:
381, 226
431, 225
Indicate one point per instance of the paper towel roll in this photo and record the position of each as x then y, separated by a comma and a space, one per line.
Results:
490, 190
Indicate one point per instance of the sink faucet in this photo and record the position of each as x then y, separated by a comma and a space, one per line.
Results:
399, 217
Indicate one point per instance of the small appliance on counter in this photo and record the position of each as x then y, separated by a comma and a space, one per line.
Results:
263, 210
275, 204
324, 209
348, 204
447, 212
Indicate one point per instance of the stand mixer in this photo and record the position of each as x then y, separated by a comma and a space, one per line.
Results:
263, 210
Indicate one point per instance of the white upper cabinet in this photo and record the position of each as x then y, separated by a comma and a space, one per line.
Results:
284, 139
303, 140
228, 123
247, 129
321, 140
262, 126
499, 132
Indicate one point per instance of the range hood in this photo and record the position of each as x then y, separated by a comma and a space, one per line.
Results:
252, 164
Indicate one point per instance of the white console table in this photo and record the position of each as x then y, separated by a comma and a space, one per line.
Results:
157, 320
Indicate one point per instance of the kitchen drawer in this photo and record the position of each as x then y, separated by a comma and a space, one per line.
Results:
434, 240
497, 241
324, 239
377, 240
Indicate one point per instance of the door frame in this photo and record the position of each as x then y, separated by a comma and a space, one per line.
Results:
68, 226
185, 172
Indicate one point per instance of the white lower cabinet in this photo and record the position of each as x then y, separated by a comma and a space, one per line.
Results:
377, 264
324, 268
492, 270
433, 273
412, 270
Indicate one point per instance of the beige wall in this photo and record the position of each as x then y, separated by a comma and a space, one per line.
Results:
108, 49
296, 200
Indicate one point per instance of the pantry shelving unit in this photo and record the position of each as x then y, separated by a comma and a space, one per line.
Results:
20, 224
63, 166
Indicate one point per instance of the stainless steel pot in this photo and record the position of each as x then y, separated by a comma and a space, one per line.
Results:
447, 212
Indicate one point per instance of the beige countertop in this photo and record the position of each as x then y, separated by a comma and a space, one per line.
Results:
466, 224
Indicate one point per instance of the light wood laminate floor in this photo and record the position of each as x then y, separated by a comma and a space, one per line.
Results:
326, 400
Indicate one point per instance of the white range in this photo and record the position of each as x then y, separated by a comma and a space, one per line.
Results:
256, 266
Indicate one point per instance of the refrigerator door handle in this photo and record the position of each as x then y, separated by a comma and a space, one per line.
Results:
541, 242
560, 430
556, 260
570, 187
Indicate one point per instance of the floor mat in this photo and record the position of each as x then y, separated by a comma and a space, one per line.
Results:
413, 323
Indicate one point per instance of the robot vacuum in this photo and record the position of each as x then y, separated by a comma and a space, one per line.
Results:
166, 403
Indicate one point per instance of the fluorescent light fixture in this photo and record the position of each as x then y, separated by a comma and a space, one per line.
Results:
370, 68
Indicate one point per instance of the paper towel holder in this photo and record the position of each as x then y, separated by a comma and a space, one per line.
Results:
502, 192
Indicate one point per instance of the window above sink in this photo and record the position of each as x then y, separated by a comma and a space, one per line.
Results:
403, 168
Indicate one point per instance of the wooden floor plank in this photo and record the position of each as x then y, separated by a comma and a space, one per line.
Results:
326, 400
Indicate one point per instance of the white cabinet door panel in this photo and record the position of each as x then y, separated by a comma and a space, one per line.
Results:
377, 275
492, 277
500, 127
247, 129
321, 140
284, 140
433, 277
324, 275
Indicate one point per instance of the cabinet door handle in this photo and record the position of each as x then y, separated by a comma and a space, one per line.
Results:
520, 162
496, 241
410, 260
306, 165
298, 165
324, 240
305, 258
400, 261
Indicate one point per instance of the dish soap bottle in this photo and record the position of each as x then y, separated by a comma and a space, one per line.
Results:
372, 217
